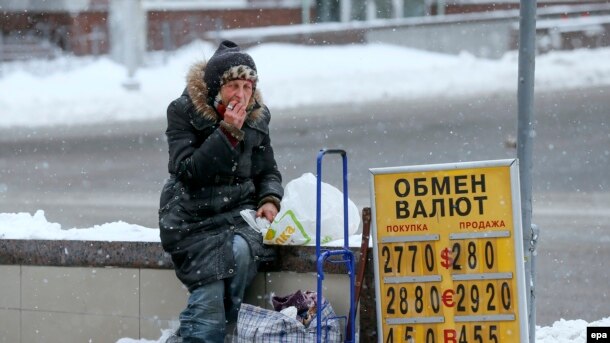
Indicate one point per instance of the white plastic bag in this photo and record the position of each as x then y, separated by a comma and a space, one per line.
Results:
296, 222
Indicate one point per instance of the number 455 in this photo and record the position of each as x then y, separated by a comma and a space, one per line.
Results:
449, 335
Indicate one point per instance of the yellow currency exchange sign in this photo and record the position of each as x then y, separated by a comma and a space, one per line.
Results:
448, 253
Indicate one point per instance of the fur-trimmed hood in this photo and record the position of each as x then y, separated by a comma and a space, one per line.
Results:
197, 90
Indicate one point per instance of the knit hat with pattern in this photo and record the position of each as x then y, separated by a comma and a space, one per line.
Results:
228, 63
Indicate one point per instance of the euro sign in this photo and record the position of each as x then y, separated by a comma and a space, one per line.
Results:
448, 298
447, 260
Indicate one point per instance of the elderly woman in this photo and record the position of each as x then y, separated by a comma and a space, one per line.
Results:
220, 163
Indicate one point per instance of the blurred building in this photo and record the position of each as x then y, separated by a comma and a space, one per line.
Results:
46, 28
81, 26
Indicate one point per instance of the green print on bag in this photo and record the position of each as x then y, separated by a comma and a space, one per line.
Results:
288, 231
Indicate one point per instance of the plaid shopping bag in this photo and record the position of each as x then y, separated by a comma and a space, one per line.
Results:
256, 324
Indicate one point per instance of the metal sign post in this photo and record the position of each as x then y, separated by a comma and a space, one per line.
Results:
447, 242
525, 128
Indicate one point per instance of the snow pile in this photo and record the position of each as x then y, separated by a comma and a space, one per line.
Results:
564, 331
26, 226
76, 90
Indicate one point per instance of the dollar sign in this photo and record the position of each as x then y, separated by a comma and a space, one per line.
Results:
447, 261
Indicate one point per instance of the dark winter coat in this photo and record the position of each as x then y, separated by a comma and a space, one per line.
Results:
210, 182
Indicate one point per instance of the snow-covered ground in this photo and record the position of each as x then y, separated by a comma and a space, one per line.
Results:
85, 90
71, 91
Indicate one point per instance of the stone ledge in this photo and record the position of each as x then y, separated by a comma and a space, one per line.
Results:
74, 253
150, 255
